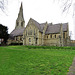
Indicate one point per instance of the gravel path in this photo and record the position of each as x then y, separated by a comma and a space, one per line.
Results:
72, 68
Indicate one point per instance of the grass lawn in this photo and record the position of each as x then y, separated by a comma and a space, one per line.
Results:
35, 60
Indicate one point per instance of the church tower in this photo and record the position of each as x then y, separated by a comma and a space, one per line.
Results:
20, 23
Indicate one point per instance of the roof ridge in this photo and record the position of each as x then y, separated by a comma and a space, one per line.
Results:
42, 23
34, 20
37, 24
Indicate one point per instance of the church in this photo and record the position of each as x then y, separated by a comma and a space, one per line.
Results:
39, 33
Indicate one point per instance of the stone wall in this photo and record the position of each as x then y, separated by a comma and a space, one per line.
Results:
31, 35
17, 39
52, 39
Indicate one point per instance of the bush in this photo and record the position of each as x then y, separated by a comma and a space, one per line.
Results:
16, 44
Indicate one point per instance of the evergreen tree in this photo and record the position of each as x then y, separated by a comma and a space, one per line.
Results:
3, 33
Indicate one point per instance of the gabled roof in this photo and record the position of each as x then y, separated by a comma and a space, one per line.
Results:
11, 36
38, 25
50, 28
42, 25
17, 32
65, 26
56, 28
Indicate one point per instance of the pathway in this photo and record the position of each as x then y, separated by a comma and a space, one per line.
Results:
72, 68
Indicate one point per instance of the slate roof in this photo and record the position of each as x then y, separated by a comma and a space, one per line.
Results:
42, 25
56, 28
11, 36
38, 25
50, 28
16, 32
65, 27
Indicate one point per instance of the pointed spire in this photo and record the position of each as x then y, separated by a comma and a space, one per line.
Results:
20, 15
20, 23
21, 8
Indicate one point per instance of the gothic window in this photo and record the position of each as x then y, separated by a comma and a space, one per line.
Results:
64, 35
55, 36
21, 38
29, 39
51, 36
16, 38
17, 23
47, 36
59, 36
30, 32
22, 24
36, 40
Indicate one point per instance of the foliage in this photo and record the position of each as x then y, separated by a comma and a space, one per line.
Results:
16, 43
3, 33
35, 60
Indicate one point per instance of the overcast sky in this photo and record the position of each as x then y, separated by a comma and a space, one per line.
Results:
39, 10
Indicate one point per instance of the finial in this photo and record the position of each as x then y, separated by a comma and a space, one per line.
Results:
21, 5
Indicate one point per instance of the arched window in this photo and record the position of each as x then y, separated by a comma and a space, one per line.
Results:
16, 38
63, 34
51, 35
30, 32
55, 36
21, 38
47, 36
29, 39
34, 31
22, 24
17, 23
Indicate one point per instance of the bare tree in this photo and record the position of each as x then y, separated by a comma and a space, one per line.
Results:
66, 4
3, 4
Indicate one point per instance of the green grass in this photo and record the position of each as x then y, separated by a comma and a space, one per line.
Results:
35, 60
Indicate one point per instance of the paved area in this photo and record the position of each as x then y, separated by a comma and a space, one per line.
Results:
72, 68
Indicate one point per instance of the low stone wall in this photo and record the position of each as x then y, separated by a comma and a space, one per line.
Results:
72, 44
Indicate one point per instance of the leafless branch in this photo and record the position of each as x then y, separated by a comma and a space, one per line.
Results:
3, 4
65, 5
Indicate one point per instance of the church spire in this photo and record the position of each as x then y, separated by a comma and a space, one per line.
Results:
20, 23
20, 15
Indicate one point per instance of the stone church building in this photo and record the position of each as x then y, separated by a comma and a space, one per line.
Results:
39, 33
